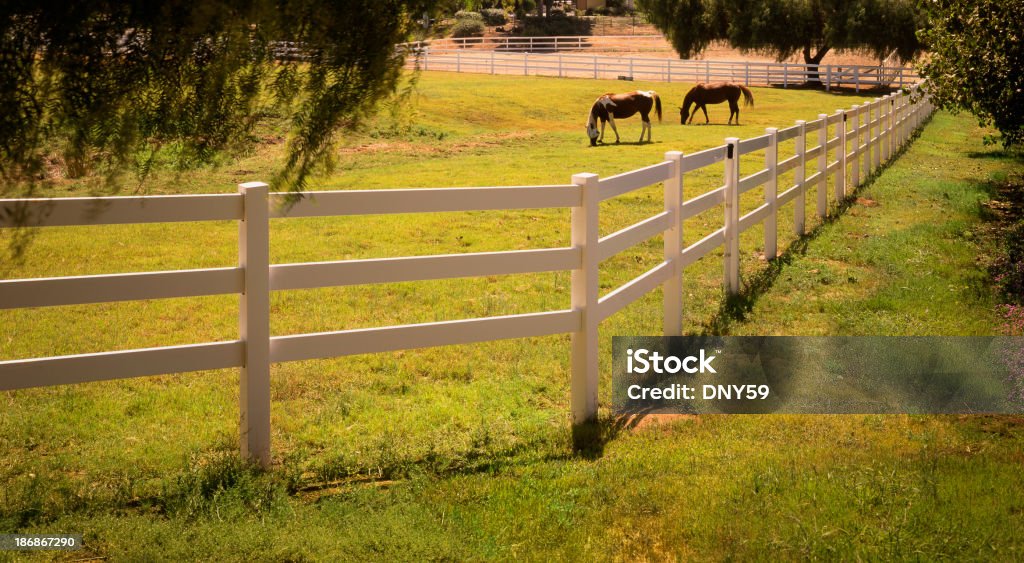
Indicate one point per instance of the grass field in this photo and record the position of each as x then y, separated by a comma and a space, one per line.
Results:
464, 452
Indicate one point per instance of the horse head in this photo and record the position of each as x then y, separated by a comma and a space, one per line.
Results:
592, 131
685, 110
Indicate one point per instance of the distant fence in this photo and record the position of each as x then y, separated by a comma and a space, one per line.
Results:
848, 146
546, 56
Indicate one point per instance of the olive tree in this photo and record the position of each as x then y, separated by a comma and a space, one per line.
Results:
783, 28
976, 61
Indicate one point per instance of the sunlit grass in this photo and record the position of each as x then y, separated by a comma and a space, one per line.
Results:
464, 451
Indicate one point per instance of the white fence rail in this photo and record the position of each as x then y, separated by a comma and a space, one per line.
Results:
558, 56
863, 138
665, 70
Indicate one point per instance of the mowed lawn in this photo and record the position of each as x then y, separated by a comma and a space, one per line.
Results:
464, 452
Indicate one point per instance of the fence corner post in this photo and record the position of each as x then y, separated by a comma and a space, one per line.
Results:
732, 216
583, 386
254, 323
673, 287
771, 189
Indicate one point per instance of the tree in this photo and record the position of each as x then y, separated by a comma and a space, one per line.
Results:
783, 28
108, 87
976, 61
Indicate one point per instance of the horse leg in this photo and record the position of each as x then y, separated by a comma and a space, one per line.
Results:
645, 125
601, 138
734, 108
705, 108
614, 128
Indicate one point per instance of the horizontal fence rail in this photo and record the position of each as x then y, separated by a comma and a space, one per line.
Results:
845, 147
561, 56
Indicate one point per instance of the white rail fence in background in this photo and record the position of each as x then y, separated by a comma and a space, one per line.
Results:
543, 56
862, 138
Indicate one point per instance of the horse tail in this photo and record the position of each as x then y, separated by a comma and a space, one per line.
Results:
657, 105
748, 96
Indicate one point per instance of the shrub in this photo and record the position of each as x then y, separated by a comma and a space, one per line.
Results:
555, 24
468, 28
494, 16
463, 15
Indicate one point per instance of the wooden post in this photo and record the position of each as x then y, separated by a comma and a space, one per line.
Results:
673, 287
866, 137
883, 128
771, 189
876, 154
800, 203
254, 324
583, 387
892, 124
823, 166
732, 216
841, 171
855, 168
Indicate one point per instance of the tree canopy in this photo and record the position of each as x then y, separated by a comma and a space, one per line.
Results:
108, 86
976, 61
783, 28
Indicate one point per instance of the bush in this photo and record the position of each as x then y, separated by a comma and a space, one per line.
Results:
463, 15
494, 16
468, 28
555, 24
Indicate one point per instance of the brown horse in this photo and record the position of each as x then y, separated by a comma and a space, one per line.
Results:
716, 93
620, 106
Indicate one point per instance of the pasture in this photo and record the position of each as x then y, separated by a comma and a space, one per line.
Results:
464, 452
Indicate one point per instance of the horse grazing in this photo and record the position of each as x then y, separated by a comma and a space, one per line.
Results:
716, 93
610, 107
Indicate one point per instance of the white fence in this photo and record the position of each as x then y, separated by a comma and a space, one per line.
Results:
544, 56
861, 139
549, 44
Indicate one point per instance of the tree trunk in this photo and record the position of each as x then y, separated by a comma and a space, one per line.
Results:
813, 77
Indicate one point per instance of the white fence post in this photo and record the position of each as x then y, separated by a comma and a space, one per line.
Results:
884, 129
583, 387
841, 171
800, 203
254, 323
771, 188
876, 158
866, 146
732, 216
823, 166
855, 168
892, 124
673, 287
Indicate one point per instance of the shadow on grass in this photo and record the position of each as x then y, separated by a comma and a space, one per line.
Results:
735, 308
590, 438
999, 154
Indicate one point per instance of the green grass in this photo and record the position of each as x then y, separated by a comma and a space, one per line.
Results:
465, 452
